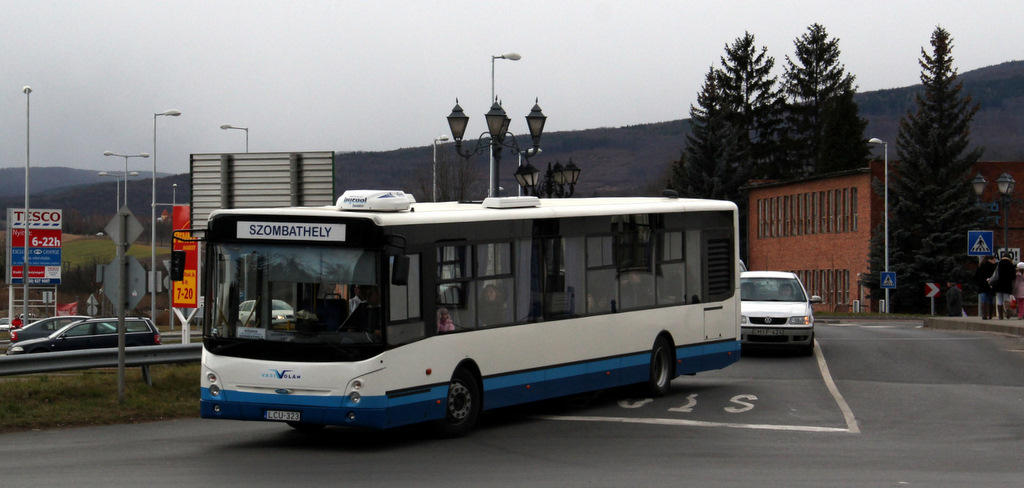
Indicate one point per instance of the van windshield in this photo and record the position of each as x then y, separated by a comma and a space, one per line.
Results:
771, 290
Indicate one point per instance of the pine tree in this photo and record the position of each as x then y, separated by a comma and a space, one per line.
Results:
754, 102
932, 203
711, 165
821, 113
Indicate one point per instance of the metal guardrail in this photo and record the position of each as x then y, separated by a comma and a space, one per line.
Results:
99, 358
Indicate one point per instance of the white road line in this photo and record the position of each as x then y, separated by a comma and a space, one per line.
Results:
851, 421
689, 423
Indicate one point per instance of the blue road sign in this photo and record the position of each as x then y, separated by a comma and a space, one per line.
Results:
980, 243
888, 279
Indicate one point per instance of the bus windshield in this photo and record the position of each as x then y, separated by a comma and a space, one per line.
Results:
294, 302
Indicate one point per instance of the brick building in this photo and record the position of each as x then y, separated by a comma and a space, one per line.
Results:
820, 228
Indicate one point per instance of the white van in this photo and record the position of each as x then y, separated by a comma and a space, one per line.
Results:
776, 310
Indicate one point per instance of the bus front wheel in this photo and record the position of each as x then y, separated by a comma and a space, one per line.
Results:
462, 406
661, 372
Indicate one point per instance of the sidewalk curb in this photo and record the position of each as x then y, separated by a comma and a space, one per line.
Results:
1012, 327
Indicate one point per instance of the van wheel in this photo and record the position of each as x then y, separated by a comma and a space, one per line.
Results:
462, 406
662, 370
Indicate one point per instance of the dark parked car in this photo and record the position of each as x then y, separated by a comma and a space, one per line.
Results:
91, 334
44, 327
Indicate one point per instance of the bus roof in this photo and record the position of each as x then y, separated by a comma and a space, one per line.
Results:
441, 212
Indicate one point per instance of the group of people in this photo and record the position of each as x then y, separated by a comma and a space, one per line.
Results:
1000, 283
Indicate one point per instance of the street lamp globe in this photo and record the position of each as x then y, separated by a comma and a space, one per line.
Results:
979, 183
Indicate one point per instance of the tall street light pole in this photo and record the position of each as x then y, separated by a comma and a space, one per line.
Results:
24, 265
126, 156
440, 138
117, 176
885, 207
152, 221
246, 129
170, 289
493, 188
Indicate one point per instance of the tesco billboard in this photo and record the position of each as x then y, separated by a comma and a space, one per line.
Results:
38, 218
44, 230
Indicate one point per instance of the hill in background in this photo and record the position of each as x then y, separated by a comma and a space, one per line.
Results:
633, 160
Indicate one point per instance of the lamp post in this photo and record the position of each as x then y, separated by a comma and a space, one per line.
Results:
24, 264
126, 173
118, 176
491, 192
496, 137
559, 181
246, 129
519, 167
1005, 184
152, 221
440, 138
885, 207
508, 56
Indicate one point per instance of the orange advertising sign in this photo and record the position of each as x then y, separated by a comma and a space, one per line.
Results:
185, 293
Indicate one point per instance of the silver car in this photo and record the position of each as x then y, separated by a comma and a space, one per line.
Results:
775, 309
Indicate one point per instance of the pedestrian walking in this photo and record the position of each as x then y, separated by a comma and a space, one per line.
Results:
986, 300
954, 300
1002, 283
1018, 290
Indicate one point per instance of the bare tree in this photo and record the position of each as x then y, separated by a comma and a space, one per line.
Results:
457, 177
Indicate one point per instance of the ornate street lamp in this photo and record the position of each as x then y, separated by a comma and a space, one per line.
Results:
559, 181
496, 137
1005, 184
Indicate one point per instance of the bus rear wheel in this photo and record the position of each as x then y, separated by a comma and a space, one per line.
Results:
661, 372
462, 406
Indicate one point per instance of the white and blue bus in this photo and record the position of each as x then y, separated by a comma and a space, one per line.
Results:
381, 311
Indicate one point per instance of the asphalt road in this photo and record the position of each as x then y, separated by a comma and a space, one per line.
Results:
880, 404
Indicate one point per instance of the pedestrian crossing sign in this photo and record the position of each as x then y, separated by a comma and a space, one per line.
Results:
888, 279
980, 243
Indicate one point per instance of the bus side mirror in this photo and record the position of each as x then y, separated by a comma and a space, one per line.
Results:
400, 271
177, 265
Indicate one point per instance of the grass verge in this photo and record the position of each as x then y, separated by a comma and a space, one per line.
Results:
90, 398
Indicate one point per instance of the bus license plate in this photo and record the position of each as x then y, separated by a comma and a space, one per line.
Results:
768, 332
283, 415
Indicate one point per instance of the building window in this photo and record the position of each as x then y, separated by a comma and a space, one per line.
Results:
787, 230
846, 209
822, 213
808, 214
853, 209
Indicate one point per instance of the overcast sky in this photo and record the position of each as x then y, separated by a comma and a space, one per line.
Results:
380, 75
